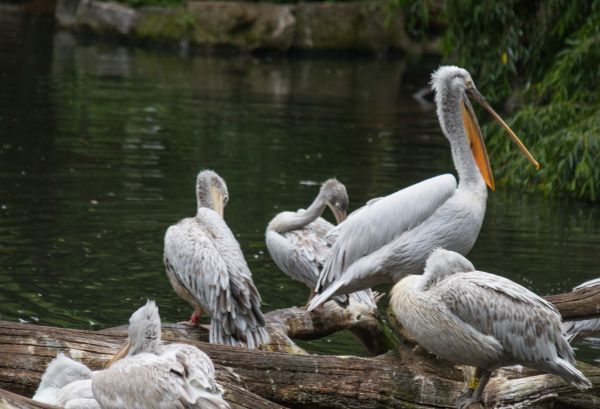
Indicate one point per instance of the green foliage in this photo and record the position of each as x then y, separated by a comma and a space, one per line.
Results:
560, 119
544, 57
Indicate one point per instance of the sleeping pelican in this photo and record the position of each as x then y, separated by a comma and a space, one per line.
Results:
66, 383
392, 236
483, 320
146, 374
583, 328
206, 267
296, 240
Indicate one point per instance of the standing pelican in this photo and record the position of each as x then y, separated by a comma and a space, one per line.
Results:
483, 320
206, 267
297, 240
583, 328
146, 374
66, 383
392, 236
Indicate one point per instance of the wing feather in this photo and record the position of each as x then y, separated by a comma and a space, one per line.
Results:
528, 327
202, 255
381, 221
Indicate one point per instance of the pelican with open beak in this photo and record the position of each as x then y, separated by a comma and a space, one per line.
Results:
392, 236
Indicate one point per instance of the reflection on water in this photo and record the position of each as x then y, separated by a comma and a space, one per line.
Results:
100, 146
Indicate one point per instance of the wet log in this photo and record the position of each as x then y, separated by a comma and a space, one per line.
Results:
399, 378
287, 324
582, 303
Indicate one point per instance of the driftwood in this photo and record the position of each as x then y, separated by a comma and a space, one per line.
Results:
266, 379
580, 304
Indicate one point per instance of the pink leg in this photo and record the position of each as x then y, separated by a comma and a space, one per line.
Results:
196, 316
194, 319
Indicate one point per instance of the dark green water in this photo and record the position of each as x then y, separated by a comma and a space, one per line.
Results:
100, 146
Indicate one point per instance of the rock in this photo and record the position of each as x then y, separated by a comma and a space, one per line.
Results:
246, 26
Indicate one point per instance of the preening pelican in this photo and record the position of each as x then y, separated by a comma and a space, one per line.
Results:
583, 328
483, 320
297, 241
206, 267
66, 383
146, 374
392, 236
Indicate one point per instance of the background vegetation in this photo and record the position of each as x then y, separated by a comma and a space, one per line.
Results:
540, 60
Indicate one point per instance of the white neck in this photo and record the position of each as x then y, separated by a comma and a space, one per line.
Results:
289, 221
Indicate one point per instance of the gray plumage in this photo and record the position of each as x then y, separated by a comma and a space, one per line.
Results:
483, 320
206, 267
392, 236
78, 395
583, 328
60, 372
298, 241
157, 376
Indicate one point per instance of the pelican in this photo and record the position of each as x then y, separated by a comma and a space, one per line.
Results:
392, 236
483, 320
206, 267
61, 383
297, 241
583, 328
146, 374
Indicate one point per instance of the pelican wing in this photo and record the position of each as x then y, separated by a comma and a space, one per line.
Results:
200, 374
204, 257
192, 259
301, 253
147, 381
383, 220
528, 327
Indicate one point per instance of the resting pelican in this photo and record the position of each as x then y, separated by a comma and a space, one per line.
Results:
206, 267
583, 328
145, 374
483, 320
61, 384
296, 240
392, 236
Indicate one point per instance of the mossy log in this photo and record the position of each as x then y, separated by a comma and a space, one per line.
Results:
267, 379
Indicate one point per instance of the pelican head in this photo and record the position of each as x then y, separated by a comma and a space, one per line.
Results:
211, 191
143, 333
336, 198
441, 264
62, 370
454, 85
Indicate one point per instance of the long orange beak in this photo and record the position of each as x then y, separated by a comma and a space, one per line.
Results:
477, 144
120, 354
474, 93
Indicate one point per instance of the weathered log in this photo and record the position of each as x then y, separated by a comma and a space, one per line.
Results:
399, 378
295, 323
582, 303
9, 400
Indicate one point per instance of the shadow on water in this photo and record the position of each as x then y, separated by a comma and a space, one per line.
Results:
100, 145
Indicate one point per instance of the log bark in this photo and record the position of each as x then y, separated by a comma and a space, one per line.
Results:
582, 303
399, 378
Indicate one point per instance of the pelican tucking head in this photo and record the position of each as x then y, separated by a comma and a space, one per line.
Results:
336, 198
211, 191
441, 264
62, 370
143, 334
452, 79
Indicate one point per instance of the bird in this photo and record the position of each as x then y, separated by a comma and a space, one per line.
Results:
66, 383
392, 236
147, 374
583, 328
298, 241
483, 320
206, 267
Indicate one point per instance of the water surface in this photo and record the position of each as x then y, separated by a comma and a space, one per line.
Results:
100, 145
